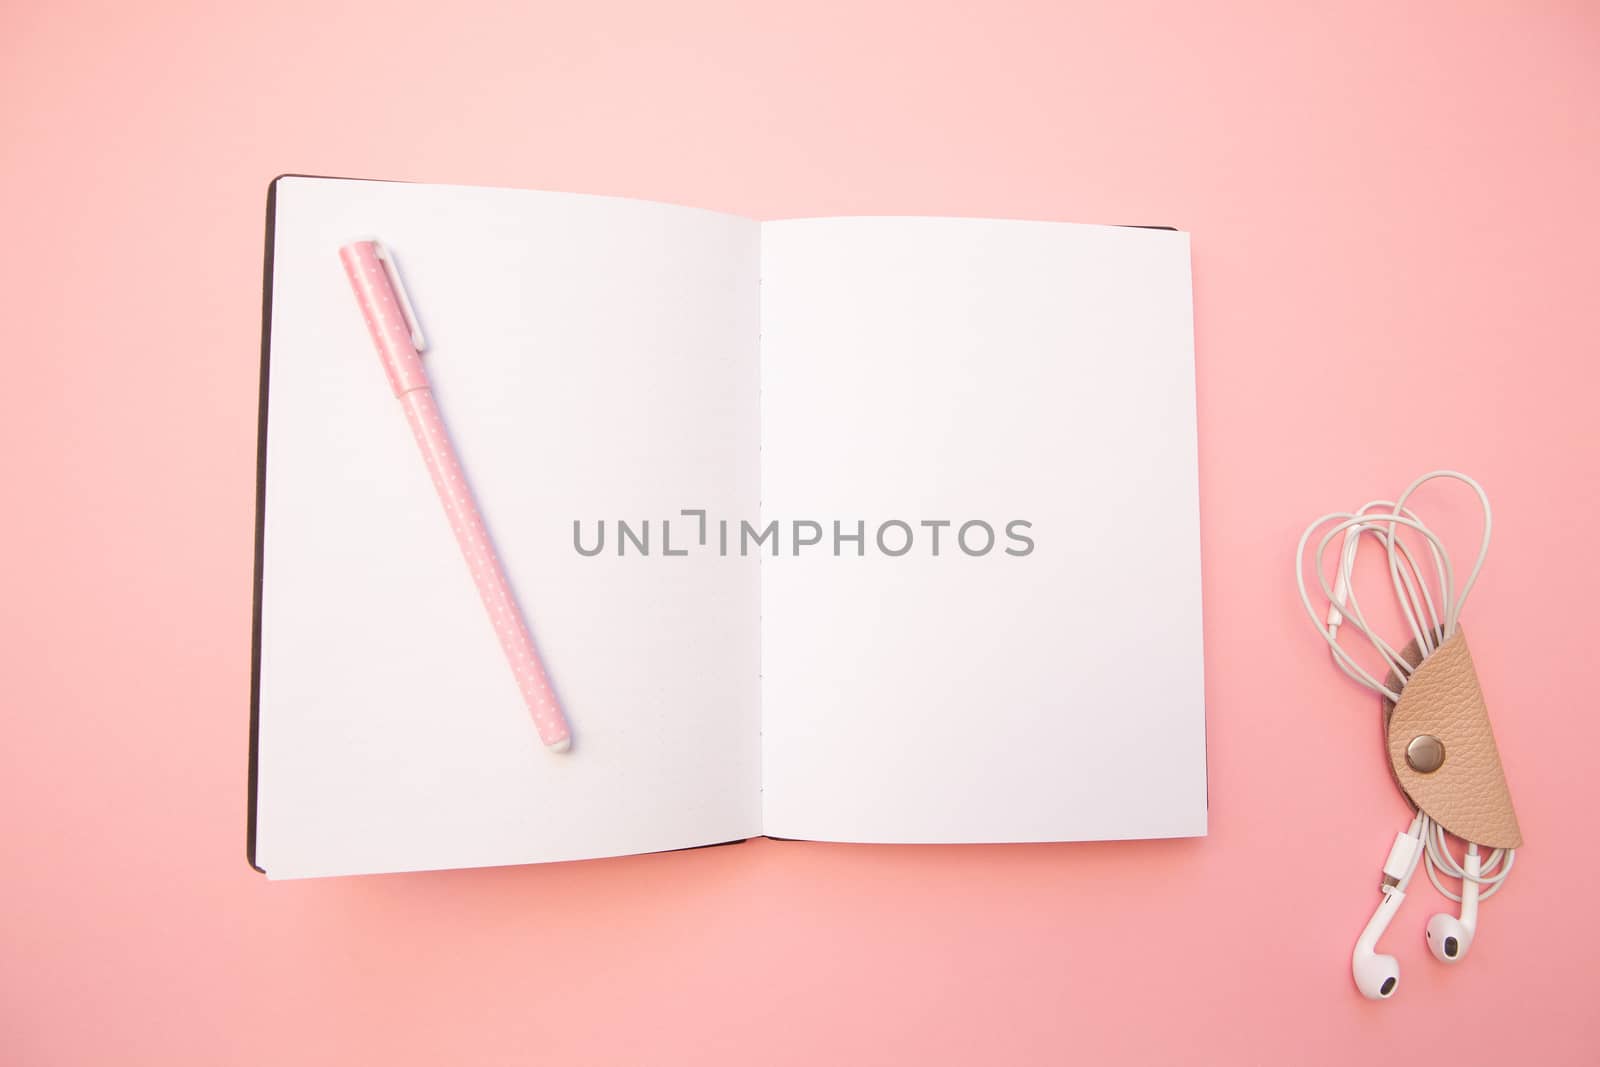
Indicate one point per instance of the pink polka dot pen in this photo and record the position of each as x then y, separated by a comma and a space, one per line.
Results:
394, 329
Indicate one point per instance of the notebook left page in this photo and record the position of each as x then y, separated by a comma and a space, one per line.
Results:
594, 359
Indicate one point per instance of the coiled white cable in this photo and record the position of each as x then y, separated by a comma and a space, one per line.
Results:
1431, 622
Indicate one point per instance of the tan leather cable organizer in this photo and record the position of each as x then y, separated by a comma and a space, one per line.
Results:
1441, 747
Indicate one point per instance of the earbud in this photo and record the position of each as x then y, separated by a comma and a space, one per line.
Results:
1377, 976
1449, 937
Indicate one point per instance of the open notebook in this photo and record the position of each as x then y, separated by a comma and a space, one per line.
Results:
871, 386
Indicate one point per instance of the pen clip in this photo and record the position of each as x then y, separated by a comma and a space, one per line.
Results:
390, 269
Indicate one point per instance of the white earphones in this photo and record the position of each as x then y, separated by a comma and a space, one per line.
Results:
1377, 976
1449, 937
1430, 624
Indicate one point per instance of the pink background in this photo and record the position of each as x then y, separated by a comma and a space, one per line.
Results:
1394, 218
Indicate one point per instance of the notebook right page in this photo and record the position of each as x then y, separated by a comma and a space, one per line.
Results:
983, 619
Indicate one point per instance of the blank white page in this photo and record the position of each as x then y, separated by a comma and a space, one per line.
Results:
593, 358
970, 370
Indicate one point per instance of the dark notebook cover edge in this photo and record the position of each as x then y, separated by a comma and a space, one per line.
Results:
260, 526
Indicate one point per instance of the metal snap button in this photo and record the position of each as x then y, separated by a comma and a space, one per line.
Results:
1425, 754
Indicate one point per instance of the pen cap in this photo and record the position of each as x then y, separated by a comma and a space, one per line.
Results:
387, 311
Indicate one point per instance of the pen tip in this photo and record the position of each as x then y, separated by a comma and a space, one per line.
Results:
563, 745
